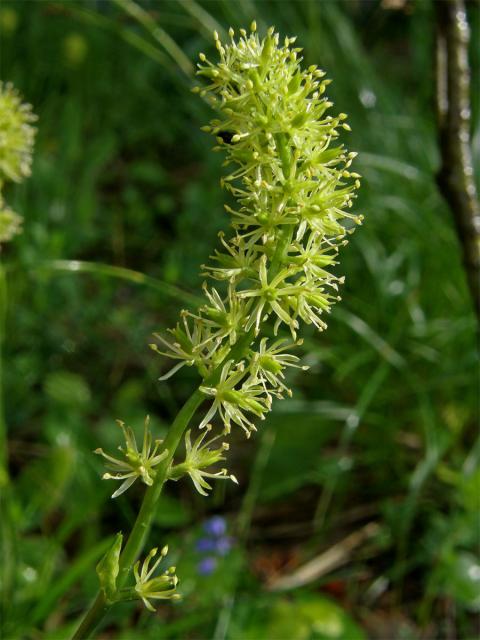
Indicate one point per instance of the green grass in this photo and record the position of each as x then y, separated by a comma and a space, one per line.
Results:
384, 426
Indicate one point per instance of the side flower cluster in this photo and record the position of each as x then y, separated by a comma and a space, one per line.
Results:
294, 189
134, 463
161, 587
16, 147
147, 586
199, 460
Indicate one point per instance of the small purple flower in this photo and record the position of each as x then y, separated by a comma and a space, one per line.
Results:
223, 546
205, 545
207, 566
215, 526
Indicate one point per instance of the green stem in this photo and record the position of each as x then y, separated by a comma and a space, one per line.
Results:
456, 178
284, 234
285, 154
7, 530
144, 519
283, 240
93, 616
3, 434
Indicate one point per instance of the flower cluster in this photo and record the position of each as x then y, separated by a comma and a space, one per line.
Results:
147, 587
16, 146
10, 222
199, 458
134, 463
291, 179
162, 587
294, 189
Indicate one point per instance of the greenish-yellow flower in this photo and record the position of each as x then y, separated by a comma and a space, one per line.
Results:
10, 223
294, 189
16, 135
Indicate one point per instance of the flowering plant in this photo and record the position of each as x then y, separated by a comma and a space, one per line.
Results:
294, 189
16, 147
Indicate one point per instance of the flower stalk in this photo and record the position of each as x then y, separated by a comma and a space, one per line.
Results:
294, 189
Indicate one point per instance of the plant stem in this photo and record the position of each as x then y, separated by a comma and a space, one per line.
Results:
141, 528
3, 430
144, 519
93, 616
285, 154
142, 525
7, 530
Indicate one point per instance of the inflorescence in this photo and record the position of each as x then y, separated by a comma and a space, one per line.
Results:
16, 147
294, 189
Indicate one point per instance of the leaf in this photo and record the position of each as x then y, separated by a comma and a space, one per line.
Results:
108, 567
67, 388
461, 574
307, 617
171, 513
51, 476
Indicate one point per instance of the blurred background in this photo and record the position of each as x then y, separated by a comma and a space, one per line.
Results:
356, 515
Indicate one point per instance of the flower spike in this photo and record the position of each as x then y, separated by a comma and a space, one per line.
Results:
294, 187
291, 178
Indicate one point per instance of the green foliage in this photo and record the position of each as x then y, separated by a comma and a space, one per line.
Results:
67, 389
107, 568
383, 427
306, 617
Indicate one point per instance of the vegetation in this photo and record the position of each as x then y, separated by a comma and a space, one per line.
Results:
357, 504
